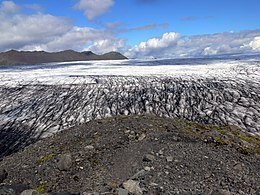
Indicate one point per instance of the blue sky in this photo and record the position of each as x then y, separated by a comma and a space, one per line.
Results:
133, 27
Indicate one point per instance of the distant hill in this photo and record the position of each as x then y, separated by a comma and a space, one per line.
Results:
14, 57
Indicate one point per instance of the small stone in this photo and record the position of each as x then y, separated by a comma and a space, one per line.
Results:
141, 137
153, 184
127, 131
4, 190
133, 187
65, 162
89, 147
160, 152
13, 189
147, 168
138, 174
132, 132
148, 158
174, 138
29, 192
76, 178
252, 191
169, 158
122, 191
239, 167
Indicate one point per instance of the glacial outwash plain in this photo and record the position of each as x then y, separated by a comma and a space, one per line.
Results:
127, 126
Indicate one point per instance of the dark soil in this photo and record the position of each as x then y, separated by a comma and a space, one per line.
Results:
185, 158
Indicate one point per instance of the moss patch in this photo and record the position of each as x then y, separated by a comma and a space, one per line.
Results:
46, 158
232, 136
41, 189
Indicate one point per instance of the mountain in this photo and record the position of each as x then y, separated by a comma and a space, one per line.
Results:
14, 57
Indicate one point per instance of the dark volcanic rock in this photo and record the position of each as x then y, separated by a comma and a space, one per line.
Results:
3, 175
148, 158
65, 162
14, 57
186, 165
16, 189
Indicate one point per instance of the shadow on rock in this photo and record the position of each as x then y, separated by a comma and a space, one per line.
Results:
15, 138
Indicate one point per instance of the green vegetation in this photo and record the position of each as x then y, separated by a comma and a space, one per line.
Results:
245, 150
231, 136
41, 189
46, 158
223, 141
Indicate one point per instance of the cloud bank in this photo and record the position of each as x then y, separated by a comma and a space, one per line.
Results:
46, 32
172, 44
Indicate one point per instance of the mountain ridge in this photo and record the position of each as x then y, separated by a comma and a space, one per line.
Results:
14, 57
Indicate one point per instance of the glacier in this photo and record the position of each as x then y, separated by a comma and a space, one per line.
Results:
40, 100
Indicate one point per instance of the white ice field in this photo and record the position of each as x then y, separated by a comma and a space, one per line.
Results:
38, 100
78, 72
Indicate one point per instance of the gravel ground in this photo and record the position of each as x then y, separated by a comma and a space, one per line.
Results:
160, 155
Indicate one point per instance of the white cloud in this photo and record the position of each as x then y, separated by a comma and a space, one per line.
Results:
173, 45
106, 45
255, 44
9, 7
94, 8
44, 32
20, 30
157, 43
154, 46
76, 38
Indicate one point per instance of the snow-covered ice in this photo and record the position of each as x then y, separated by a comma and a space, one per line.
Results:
39, 100
78, 72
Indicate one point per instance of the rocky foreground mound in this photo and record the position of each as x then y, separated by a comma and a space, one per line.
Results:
14, 57
137, 155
